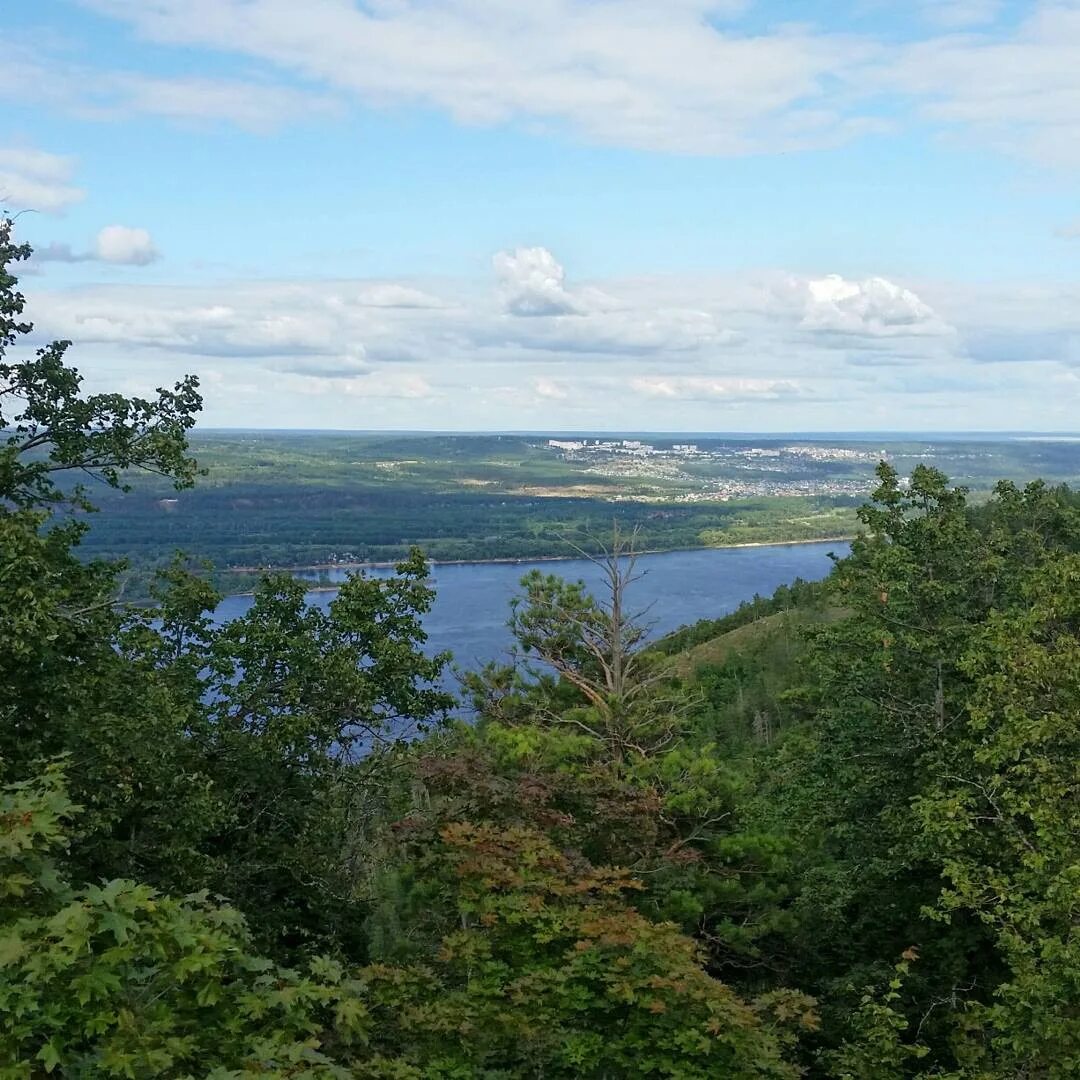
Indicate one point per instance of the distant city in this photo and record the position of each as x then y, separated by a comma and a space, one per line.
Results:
629, 458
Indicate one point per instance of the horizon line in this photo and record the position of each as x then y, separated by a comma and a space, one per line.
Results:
748, 432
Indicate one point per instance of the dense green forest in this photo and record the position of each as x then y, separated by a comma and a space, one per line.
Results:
835, 835
275, 500
291, 526
286, 499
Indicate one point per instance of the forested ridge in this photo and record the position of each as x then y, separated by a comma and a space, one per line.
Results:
835, 834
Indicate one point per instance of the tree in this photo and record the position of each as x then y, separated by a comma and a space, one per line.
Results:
52, 427
286, 705
64, 684
1002, 812
512, 953
205, 756
607, 687
546, 972
889, 691
117, 980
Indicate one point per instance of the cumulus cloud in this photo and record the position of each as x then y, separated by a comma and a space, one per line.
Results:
533, 282
874, 307
126, 246
661, 351
557, 319
116, 244
775, 325
36, 180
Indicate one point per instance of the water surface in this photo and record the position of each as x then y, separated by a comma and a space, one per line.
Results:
473, 600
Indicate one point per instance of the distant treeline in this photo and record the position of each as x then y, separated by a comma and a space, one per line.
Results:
286, 525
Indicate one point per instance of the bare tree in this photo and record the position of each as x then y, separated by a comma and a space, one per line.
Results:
597, 646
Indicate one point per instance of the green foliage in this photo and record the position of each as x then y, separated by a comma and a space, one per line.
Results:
893, 757
205, 757
1004, 816
876, 1048
257, 849
546, 971
536, 961
51, 427
638, 775
119, 981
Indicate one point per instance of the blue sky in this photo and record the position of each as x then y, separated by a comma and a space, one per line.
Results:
572, 214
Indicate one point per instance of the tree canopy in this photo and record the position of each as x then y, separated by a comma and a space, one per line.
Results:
833, 835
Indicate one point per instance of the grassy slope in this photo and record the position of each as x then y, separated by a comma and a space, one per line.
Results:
740, 640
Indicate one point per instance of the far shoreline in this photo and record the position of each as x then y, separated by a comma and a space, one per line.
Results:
510, 561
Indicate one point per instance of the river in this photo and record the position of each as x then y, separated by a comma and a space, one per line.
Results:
472, 599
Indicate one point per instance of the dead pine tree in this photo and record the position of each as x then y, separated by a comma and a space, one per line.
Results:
596, 644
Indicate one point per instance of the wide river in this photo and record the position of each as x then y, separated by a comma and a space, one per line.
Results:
473, 599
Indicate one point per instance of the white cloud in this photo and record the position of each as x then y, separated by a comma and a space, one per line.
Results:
352, 363
770, 327
620, 333
550, 389
1019, 93
659, 352
1069, 231
125, 246
116, 244
36, 180
547, 315
875, 307
96, 94
681, 76
393, 295
253, 105
533, 283
696, 388
669, 76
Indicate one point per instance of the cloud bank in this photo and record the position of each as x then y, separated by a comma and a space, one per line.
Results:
678, 76
530, 347
36, 180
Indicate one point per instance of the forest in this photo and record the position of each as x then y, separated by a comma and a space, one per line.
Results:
280, 500
834, 835
269, 499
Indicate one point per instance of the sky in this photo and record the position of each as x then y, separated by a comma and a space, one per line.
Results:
590, 215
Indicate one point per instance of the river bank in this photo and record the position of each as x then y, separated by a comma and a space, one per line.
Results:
526, 559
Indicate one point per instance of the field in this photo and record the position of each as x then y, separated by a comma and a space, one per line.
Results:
273, 499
